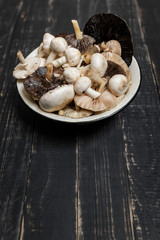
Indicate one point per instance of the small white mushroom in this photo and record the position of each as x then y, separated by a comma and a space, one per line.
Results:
71, 74
99, 64
83, 85
118, 84
27, 66
59, 45
72, 57
57, 98
47, 38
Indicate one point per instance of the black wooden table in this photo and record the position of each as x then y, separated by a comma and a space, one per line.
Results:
64, 182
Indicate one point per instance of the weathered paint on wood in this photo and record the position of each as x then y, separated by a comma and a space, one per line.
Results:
97, 181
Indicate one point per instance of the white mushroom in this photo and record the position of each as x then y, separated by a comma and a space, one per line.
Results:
72, 57
27, 66
71, 74
71, 113
59, 45
83, 85
47, 38
118, 84
44, 48
98, 64
57, 98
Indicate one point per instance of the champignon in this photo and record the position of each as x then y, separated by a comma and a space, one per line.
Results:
111, 46
72, 113
57, 98
118, 60
27, 66
71, 74
79, 40
37, 84
118, 84
90, 52
72, 57
105, 27
83, 85
98, 64
106, 101
44, 49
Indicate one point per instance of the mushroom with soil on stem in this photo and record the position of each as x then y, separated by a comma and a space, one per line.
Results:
79, 40
27, 65
105, 102
83, 85
57, 98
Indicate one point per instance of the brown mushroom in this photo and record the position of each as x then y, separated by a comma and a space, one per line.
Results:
72, 113
111, 46
79, 40
106, 101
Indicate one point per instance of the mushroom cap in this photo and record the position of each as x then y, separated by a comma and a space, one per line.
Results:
118, 84
71, 74
47, 38
106, 101
37, 85
98, 64
59, 45
81, 44
82, 84
73, 56
31, 64
112, 46
118, 60
72, 113
57, 98
105, 27
114, 68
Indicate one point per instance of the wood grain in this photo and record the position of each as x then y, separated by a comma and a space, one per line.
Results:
98, 181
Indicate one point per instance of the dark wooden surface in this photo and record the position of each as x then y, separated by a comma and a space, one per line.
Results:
94, 182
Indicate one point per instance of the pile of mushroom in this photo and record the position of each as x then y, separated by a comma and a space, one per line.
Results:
77, 75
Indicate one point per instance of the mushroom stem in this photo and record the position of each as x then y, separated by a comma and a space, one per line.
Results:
78, 33
20, 57
95, 78
92, 93
49, 71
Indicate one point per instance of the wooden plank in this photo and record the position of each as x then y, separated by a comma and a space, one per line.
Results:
141, 139
50, 210
148, 13
16, 127
122, 150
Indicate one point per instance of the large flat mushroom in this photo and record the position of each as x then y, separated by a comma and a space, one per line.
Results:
108, 26
106, 101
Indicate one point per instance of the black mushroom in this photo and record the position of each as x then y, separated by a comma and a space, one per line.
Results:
37, 84
107, 26
113, 68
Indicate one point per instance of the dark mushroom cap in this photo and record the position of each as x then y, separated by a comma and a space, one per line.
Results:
105, 27
37, 85
81, 44
114, 68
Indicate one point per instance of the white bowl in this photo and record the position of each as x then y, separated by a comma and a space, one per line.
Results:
135, 78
